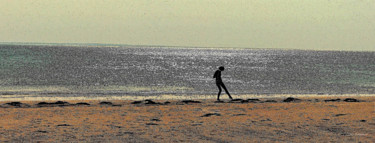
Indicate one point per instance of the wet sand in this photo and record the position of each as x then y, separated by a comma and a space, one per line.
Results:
310, 119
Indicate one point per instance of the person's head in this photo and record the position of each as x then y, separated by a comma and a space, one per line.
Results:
221, 68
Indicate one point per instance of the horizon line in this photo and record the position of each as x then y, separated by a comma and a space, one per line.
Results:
135, 45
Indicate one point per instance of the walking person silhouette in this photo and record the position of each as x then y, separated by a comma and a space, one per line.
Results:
220, 83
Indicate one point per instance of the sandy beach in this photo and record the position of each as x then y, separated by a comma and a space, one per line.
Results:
310, 119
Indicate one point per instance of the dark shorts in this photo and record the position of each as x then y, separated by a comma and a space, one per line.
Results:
218, 83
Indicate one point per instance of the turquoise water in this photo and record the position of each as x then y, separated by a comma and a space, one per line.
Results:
16, 61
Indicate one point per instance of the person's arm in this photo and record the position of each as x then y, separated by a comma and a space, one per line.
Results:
215, 75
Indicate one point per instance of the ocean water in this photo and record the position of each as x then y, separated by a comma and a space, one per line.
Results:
141, 71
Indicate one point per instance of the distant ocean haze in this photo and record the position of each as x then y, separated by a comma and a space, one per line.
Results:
146, 70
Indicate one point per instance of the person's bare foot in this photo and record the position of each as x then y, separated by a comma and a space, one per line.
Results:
219, 101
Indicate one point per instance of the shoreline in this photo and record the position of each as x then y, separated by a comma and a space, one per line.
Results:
171, 97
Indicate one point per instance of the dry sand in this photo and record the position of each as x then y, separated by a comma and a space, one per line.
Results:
309, 120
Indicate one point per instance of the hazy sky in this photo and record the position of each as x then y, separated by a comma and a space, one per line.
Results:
285, 24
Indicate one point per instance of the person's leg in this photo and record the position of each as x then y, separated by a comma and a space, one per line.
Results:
218, 95
226, 91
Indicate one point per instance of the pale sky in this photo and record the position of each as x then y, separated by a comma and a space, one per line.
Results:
282, 24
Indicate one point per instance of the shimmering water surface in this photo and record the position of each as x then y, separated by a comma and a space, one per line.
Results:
137, 70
